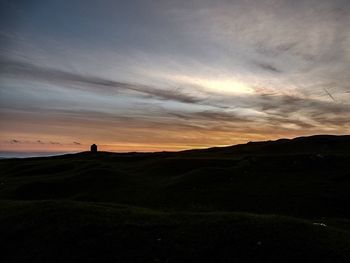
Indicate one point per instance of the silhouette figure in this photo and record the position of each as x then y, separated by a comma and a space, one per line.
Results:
93, 148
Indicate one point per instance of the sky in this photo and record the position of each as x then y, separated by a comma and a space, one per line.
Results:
170, 75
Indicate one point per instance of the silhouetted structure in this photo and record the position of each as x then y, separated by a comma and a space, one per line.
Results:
93, 148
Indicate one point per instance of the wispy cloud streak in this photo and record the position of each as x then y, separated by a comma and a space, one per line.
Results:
30, 71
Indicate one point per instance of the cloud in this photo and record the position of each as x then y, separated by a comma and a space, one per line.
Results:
211, 115
77, 143
268, 67
50, 142
14, 141
96, 84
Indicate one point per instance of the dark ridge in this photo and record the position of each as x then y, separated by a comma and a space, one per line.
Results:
311, 144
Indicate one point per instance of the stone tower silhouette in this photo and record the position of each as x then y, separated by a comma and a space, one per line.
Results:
93, 148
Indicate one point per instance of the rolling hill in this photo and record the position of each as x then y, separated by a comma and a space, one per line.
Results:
273, 201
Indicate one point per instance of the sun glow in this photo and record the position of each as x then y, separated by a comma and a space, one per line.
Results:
222, 85
227, 86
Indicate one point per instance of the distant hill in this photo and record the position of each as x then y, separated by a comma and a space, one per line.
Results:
273, 201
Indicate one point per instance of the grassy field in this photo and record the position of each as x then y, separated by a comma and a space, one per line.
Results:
278, 201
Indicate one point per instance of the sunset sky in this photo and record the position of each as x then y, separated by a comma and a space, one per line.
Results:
170, 75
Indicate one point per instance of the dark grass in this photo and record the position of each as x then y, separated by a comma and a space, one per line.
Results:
66, 231
247, 203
